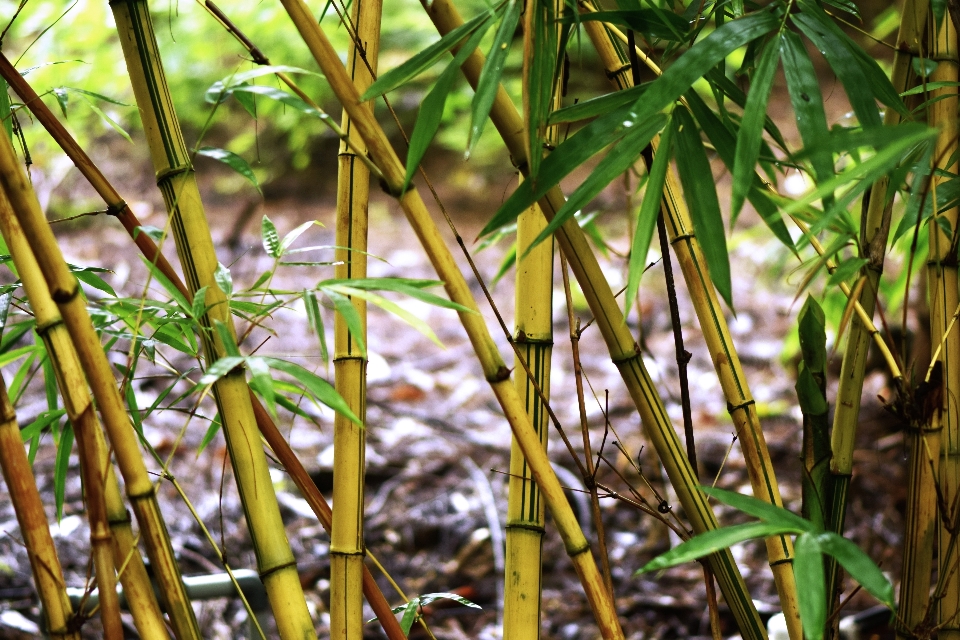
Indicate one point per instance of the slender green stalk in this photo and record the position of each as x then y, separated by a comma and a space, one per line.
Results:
177, 182
34, 528
65, 291
350, 361
495, 370
874, 231
623, 349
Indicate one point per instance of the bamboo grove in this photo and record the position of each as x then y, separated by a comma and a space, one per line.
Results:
689, 93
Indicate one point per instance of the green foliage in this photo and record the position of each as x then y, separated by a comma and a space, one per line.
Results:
412, 610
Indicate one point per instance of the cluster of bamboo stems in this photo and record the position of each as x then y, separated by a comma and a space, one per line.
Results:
86, 380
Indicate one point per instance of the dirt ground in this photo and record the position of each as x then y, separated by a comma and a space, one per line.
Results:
438, 445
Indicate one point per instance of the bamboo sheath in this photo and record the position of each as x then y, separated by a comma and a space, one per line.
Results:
65, 291
716, 333
534, 339
177, 183
874, 231
623, 349
944, 116
926, 430
495, 370
34, 528
269, 430
350, 362
96, 468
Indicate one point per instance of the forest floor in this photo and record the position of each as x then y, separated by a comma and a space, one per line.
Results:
438, 445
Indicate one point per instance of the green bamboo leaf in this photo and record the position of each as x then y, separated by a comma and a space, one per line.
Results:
317, 386
724, 143
96, 96
540, 66
804, 89
718, 80
813, 335
489, 81
431, 109
315, 320
811, 400
388, 305
110, 121
609, 128
653, 23
226, 337
5, 111
271, 239
232, 160
199, 307
223, 279
751, 129
760, 509
62, 468
711, 542
220, 368
89, 276
410, 615
220, 90
859, 565
597, 106
845, 5
349, 313
647, 217
278, 95
927, 87
427, 598
42, 422
211, 433
291, 237
403, 286
700, 192
425, 59
846, 270
811, 592
262, 382
617, 161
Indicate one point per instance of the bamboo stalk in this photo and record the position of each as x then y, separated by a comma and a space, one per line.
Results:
943, 115
273, 437
624, 352
937, 413
347, 548
105, 506
874, 231
534, 339
65, 291
47, 573
495, 370
177, 182
713, 324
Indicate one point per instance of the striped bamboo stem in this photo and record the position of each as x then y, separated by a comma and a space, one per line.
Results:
93, 467
623, 350
177, 182
943, 115
270, 432
34, 528
495, 370
65, 291
347, 548
105, 505
716, 334
938, 413
874, 231
534, 339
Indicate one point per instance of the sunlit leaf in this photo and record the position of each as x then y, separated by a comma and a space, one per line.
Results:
760, 509
232, 160
271, 239
751, 129
219, 90
711, 542
811, 592
489, 82
320, 388
859, 565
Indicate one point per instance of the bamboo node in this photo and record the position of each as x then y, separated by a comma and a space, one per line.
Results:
574, 551
774, 563
44, 328
502, 373
117, 208
360, 552
280, 567
616, 72
149, 494
389, 190
125, 519
171, 172
731, 408
536, 528
62, 296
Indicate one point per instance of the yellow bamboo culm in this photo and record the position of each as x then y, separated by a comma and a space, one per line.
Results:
65, 291
495, 370
34, 528
723, 353
347, 548
874, 231
177, 183
944, 116
930, 431
623, 349
105, 510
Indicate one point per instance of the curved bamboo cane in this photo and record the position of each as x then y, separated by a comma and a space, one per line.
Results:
65, 291
623, 350
47, 573
350, 361
716, 334
275, 560
495, 370
94, 459
269, 430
